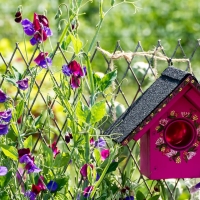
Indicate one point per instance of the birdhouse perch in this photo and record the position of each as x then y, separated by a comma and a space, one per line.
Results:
166, 119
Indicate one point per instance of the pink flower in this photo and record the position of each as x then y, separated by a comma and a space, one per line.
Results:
87, 191
105, 154
54, 149
83, 170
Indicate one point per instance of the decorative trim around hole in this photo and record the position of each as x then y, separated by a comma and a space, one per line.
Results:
178, 155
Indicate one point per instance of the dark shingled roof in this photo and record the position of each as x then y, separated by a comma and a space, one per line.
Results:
144, 105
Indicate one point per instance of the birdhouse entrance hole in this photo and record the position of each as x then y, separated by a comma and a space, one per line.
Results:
179, 134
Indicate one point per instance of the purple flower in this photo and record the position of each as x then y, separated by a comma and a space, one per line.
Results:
105, 154
100, 143
32, 168
3, 171
83, 170
30, 165
52, 186
3, 129
75, 82
39, 29
6, 115
74, 70
87, 191
23, 84
3, 96
23, 151
129, 198
66, 70
31, 195
42, 60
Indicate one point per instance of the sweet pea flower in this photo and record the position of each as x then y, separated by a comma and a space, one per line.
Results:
32, 168
100, 143
43, 60
87, 191
52, 186
105, 154
23, 84
83, 170
23, 151
18, 17
41, 183
6, 116
75, 82
3, 171
3, 96
31, 195
39, 29
195, 188
129, 198
68, 137
54, 149
74, 70
3, 129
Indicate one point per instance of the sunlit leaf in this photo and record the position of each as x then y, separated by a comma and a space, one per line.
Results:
10, 152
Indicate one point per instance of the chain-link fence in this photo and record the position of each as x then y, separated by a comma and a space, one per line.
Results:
135, 75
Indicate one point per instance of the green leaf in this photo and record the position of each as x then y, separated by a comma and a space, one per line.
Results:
4, 196
89, 174
62, 160
140, 196
4, 180
112, 2
107, 80
66, 42
14, 128
97, 156
98, 111
82, 112
163, 191
9, 151
77, 44
19, 108
48, 155
97, 81
112, 167
28, 142
156, 197
62, 182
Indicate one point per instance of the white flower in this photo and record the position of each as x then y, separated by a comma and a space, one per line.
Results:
171, 153
159, 141
185, 114
163, 122
190, 155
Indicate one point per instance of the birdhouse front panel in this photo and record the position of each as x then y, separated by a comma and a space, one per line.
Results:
170, 148
166, 120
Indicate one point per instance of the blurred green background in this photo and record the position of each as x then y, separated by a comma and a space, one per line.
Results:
166, 20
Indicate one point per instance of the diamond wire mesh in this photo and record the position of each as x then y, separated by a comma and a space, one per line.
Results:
127, 88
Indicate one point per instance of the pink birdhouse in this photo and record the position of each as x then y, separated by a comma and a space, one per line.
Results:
166, 119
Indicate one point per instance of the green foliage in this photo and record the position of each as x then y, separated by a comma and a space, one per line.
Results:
10, 152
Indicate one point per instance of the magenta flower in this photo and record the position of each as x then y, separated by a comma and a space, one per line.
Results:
54, 149
23, 151
3, 96
39, 29
3, 171
52, 186
68, 137
105, 154
74, 70
3, 129
5, 116
83, 170
23, 84
41, 183
87, 191
75, 82
43, 60
92, 142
